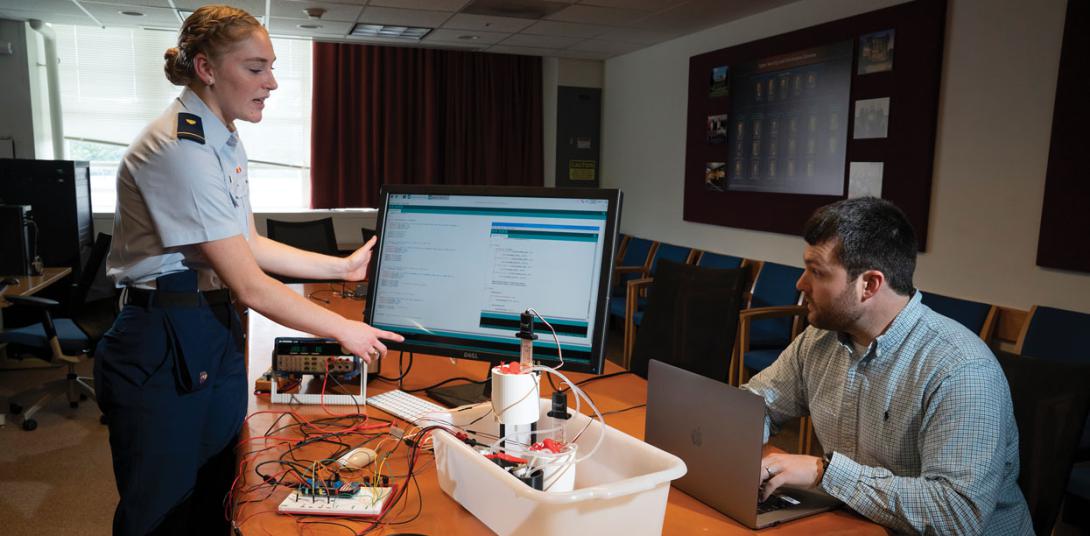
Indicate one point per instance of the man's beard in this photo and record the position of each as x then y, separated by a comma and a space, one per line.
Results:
839, 315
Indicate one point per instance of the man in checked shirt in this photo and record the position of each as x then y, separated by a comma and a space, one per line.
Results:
912, 409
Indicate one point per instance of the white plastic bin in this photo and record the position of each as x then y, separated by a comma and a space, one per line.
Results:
622, 489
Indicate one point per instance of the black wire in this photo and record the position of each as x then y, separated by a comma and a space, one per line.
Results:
602, 377
404, 371
448, 380
616, 411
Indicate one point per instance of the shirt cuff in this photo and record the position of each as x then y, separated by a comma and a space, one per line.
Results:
841, 477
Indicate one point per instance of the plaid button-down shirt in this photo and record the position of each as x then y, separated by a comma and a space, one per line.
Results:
920, 424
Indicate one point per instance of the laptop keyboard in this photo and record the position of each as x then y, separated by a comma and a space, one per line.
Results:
772, 504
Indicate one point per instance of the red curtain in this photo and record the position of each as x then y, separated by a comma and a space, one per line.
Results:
387, 115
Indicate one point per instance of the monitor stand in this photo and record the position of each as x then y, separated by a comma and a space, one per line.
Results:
463, 394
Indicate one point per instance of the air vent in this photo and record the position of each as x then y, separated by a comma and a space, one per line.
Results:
409, 33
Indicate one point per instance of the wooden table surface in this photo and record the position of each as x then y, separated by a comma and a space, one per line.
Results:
29, 284
430, 510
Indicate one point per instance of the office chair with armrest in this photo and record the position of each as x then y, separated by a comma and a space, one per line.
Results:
1060, 335
636, 298
313, 235
632, 304
366, 234
774, 318
707, 259
691, 318
633, 263
619, 248
979, 317
63, 340
1050, 406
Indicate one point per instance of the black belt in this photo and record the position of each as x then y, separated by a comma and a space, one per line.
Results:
145, 297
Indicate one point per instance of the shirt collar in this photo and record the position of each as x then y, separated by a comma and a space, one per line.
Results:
896, 333
215, 131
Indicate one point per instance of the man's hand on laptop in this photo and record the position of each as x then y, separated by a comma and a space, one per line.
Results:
794, 470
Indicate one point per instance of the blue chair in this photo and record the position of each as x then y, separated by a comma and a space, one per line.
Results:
1060, 335
980, 318
635, 299
67, 341
773, 319
634, 260
708, 259
1056, 334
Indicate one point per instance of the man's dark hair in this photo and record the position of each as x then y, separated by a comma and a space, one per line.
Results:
871, 234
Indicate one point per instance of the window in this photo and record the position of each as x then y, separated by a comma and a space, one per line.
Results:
112, 85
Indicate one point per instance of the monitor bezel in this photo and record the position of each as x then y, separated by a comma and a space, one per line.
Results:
613, 218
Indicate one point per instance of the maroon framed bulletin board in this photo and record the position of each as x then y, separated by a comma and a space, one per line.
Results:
722, 188
1063, 242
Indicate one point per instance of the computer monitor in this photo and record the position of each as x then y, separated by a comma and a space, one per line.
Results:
455, 266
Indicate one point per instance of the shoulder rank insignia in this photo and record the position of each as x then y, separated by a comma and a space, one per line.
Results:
189, 127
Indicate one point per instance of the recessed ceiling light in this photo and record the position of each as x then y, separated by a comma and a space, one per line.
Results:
469, 37
308, 26
132, 13
392, 32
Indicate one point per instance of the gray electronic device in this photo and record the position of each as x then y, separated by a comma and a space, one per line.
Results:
717, 430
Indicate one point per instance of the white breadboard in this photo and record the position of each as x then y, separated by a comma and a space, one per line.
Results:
360, 504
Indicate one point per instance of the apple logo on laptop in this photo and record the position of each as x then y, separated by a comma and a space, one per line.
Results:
697, 437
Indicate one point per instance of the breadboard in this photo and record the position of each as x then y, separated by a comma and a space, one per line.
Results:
360, 504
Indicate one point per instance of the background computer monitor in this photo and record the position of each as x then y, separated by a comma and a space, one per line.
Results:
455, 266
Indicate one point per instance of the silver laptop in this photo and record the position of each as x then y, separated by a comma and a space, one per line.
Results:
718, 430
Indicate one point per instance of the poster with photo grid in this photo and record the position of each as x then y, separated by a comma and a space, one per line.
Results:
789, 117
787, 145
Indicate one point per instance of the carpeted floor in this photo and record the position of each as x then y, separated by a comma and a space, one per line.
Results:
56, 479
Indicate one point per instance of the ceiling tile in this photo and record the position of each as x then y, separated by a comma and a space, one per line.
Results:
43, 8
638, 35
433, 5
110, 15
253, 7
567, 29
279, 26
697, 15
524, 51
452, 36
613, 47
287, 9
51, 17
445, 45
585, 54
467, 21
597, 15
404, 17
644, 5
540, 41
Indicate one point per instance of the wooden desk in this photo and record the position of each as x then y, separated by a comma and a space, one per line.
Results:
29, 284
439, 514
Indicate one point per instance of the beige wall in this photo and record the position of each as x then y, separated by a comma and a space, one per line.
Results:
995, 114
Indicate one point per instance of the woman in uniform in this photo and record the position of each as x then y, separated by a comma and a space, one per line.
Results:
170, 374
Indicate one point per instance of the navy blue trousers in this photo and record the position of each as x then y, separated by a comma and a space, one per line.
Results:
172, 384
